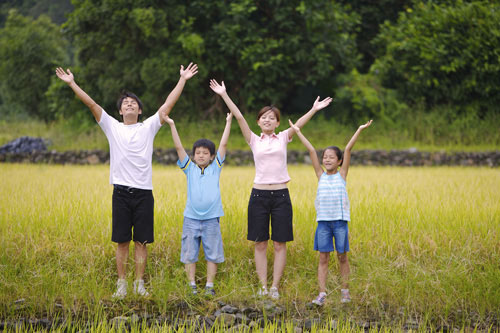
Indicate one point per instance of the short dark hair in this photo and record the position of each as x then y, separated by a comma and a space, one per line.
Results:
124, 95
338, 152
272, 108
205, 143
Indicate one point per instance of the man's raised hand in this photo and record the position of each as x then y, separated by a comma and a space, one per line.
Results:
189, 72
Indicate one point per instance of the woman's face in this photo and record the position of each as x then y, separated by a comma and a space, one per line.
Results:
268, 122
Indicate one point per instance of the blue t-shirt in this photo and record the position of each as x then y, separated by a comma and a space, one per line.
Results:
203, 191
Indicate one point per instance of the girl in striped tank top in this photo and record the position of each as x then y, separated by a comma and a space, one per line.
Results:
332, 210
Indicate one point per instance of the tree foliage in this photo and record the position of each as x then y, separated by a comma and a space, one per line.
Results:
444, 54
29, 52
264, 51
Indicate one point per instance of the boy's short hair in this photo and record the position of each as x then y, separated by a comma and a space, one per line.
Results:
205, 143
338, 152
124, 94
272, 108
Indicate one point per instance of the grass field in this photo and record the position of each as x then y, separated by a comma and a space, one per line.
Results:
425, 244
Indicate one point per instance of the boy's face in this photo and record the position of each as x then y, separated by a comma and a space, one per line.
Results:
130, 108
202, 157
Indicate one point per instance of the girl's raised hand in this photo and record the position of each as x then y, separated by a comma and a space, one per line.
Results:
189, 72
318, 105
366, 125
66, 77
293, 126
229, 116
219, 89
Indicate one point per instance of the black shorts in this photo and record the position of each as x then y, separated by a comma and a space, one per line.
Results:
132, 209
270, 203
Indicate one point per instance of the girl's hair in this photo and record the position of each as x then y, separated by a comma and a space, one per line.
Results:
338, 152
205, 143
272, 108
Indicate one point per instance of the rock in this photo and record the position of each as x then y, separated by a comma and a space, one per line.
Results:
119, 321
241, 318
239, 328
24, 144
227, 319
228, 309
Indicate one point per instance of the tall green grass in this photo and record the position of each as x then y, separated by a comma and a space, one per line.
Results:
424, 244
427, 132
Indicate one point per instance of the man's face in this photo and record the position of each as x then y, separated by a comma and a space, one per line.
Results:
130, 108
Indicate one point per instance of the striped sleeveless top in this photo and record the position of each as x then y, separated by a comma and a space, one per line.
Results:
332, 203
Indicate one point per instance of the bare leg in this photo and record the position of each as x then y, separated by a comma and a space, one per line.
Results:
141, 254
279, 262
211, 271
344, 270
121, 259
324, 257
190, 271
261, 261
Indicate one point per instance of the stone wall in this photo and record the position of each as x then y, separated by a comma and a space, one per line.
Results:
410, 157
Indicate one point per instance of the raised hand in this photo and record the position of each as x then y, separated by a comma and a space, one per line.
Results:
318, 105
366, 125
66, 77
229, 117
190, 71
293, 126
219, 89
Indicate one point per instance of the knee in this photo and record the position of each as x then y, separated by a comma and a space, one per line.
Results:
279, 246
324, 257
261, 246
342, 258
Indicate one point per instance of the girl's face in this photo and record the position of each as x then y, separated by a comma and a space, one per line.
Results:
268, 122
331, 161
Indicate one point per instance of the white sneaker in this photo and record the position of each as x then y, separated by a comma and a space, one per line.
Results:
273, 292
262, 291
139, 288
121, 289
345, 296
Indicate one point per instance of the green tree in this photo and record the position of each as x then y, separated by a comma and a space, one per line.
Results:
29, 52
265, 51
444, 54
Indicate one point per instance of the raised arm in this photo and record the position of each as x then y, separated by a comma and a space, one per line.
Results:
225, 136
181, 153
312, 152
69, 78
318, 105
347, 152
185, 74
220, 89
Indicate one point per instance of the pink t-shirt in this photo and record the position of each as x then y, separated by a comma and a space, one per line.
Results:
269, 155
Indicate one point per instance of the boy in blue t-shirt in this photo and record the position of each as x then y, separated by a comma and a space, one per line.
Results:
203, 206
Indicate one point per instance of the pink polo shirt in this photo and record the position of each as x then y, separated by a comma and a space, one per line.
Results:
269, 155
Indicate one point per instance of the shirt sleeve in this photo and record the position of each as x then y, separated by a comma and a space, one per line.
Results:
106, 122
253, 138
153, 122
220, 160
284, 136
184, 163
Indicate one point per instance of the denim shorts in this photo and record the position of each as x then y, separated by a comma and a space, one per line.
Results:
327, 231
208, 233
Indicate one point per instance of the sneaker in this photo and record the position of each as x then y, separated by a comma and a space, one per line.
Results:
194, 289
139, 288
262, 291
209, 291
320, 300
346, 297
273, 292
121, 289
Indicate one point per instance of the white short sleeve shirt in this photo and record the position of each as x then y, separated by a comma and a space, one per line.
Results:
130, 150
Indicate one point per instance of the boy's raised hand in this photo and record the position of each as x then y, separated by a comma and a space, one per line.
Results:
318, 105
66, 77
366, 125
219, 89
189, 72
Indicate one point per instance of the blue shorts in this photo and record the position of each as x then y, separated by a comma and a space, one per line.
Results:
327, 231
208, 233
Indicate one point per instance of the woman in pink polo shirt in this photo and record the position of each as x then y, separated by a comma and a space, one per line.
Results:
269, 197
